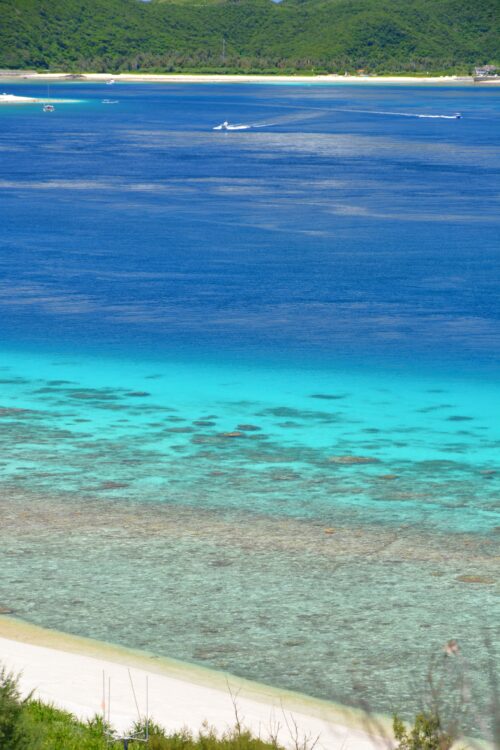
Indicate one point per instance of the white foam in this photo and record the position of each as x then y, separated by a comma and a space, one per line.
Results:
454, 116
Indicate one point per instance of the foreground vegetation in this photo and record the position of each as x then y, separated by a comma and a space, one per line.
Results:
378, 36
29, 724
32, 725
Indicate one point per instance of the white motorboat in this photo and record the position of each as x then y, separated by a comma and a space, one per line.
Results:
227, 126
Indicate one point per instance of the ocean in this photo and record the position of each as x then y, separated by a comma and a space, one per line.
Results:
249, 398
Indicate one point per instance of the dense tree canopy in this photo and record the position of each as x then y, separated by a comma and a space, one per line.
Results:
321, 35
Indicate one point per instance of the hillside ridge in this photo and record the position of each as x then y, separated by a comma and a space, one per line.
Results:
379, 36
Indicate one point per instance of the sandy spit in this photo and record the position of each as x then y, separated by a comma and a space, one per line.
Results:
13, 99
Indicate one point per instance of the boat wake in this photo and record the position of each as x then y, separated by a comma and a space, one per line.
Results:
418, 115
454, 116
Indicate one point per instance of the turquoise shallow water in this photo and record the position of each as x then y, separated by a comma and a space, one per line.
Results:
326, 531
388, 448
249, 411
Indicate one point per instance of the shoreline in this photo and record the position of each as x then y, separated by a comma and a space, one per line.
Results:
67, 670
252, 78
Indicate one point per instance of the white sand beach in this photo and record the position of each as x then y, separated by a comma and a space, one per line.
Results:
68, 671
243, 78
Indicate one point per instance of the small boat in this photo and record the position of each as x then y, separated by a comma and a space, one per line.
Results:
110, 82
109, 101
227, 126
48, 107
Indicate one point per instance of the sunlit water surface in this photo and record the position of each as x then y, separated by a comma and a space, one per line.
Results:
249, 410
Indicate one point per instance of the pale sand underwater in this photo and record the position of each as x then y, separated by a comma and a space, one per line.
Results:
14, 99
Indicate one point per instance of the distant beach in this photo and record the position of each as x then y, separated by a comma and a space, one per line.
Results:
242, 78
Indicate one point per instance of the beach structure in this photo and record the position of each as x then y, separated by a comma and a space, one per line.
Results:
142, 734
485, 70
486, 73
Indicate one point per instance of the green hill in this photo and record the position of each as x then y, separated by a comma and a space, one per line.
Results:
295, 35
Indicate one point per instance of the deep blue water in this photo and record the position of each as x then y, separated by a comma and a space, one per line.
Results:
329, 234
218, 345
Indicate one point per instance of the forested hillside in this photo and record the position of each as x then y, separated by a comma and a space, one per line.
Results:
228, 35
